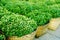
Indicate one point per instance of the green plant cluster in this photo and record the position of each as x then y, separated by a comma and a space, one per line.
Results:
4, 11
50, 6
26, 8
2, 37
41, 18
13, 24
17, 25
21, 7
53, 7
55, 10
37, 11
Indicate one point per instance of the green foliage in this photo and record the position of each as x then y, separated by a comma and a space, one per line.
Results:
40, 17
2, 37
34, 1
53, 7
54, 10
7, 1
46, 9
25, 8
37, 11
3, 12
52, 2
17, 25
19, 7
